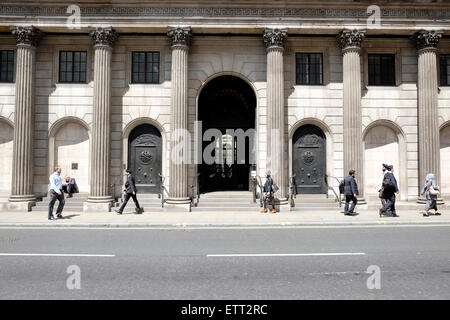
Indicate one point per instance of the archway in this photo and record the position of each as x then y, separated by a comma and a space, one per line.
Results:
71, 152
145, 157
6, 150
445, 160
227, 112
309, 160
383, 144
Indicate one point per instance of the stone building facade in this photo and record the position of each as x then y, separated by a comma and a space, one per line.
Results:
348, 85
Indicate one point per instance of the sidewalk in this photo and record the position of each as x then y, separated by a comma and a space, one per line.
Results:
216, 219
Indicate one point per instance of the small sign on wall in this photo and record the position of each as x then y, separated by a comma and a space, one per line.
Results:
74, 166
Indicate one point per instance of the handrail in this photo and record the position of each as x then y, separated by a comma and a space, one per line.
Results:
292, 190
114, 185
261, 191
338, 198
194, 195
162, 188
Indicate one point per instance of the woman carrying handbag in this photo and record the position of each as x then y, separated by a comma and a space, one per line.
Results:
431, 190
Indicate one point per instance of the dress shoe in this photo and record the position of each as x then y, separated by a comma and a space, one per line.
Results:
51, 218
437, 213
59, 216
118, 211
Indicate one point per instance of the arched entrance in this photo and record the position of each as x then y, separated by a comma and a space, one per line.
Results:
71, 152
445, 160
6, 150
309, 160
145, 157
227, 104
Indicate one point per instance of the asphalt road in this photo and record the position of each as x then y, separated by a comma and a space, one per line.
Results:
284, 263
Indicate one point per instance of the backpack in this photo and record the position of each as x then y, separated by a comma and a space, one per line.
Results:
387, 183
342, 187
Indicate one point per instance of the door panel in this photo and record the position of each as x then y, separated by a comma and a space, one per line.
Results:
145, 153
309, 160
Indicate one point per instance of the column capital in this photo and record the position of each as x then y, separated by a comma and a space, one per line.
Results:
274, 38
350, 39
26, 35
180, 36
104, 36
426, 39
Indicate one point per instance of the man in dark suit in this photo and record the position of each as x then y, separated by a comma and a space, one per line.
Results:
390, 188
130, 192
351, 192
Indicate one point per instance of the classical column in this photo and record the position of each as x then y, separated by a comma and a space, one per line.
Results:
100, 193
427, 95
23, 161
180, 39
274, 40
350, 43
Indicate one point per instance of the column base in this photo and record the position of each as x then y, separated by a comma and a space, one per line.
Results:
282, 205
19, 206
98, 204
178, 204
423, 200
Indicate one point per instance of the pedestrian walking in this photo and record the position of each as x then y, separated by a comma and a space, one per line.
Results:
431, 190
379, 187
390, 190
351, 193
268, 193
56, 193
130, 192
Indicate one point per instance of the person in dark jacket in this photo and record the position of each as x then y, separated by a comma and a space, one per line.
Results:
268, 193
351, 193
70, 186
130, 192
390, 189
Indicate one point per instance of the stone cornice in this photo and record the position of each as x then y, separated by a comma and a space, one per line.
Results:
104, 36
425, 39
274, 38
180, 36
350, 39
27, 35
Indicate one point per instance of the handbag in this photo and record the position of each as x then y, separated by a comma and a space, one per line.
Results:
433, 192
381, 193
275, 188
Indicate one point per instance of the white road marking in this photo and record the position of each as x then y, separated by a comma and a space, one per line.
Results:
287, 254
56, 255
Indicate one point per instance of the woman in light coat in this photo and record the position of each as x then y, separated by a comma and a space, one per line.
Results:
431, 198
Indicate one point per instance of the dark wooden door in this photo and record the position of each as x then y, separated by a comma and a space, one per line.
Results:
145, 157
309, 160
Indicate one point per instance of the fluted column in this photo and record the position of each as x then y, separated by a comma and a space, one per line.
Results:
180, 39
427, 95
100, 193
274, 40
350, 43
23, 165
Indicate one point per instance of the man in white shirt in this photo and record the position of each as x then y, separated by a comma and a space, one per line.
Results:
56, 193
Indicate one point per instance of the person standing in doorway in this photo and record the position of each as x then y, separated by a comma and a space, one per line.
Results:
130, 192
268, 193
351, 193
431, 190
56, 193
390, 189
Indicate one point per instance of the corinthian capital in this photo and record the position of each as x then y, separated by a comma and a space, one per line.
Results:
180, 36
274, 37
425, 39
104, 36
350, 39
27, 35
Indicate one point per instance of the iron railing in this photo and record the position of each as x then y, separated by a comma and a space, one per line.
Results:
338, 198
162, 190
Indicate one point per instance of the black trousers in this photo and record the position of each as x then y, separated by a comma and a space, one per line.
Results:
53, 197
390, 203
347, 203
127, 197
